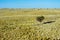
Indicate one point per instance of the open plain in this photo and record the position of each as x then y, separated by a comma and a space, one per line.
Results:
22, 24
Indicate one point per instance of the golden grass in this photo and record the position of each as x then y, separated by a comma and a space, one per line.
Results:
13, 26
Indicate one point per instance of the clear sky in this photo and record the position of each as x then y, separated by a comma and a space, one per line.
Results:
29, 3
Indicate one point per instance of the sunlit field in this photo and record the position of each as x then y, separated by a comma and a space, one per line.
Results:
22, 24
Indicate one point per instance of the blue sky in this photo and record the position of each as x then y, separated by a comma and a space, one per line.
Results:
29, 3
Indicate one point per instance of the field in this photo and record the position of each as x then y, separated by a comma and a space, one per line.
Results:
21, 24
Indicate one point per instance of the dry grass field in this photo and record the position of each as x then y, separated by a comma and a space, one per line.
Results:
21, 24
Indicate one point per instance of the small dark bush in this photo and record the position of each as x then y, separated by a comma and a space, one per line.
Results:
40, 18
